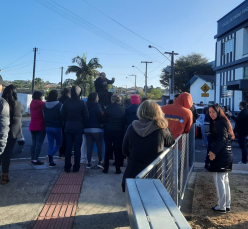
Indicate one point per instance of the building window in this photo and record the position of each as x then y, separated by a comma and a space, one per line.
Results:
225, 92
228, 46
245, 41
245, 73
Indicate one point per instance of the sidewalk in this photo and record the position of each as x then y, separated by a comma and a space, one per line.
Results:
101, 203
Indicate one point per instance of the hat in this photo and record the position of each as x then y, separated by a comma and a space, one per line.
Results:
135, 99
2, 82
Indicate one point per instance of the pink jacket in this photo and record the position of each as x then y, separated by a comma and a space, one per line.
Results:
37, 119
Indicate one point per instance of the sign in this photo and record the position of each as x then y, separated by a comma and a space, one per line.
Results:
205, 88
205, 94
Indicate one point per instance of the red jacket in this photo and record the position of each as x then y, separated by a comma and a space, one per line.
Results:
179, 116
37, 119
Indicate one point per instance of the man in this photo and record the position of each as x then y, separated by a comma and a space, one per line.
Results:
241, 128
75, 115
4, 118
101, 87
179, 115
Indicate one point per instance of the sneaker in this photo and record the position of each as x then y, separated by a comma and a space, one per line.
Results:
100, 165
228, 209
37, 163
216, 209
88, 166
240, 163
52, 164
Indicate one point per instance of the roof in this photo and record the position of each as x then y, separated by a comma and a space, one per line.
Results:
207, 78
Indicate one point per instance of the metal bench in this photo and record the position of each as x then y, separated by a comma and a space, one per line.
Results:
149, 205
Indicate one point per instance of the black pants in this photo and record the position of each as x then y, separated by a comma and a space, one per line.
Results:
6, 155
90, 139
243, 147
113, 141
76, 139
63, 147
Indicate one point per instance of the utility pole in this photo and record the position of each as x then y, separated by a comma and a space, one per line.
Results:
134, 83
62, 77
146, 62
172, 72
35, 50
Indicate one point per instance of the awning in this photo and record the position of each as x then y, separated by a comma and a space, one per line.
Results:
241, 85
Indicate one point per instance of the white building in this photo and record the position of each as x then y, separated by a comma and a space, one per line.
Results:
198, 91
231, 57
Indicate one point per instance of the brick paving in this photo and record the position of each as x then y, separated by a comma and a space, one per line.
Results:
61, 205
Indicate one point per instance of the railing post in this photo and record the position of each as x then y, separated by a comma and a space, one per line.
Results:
175, 155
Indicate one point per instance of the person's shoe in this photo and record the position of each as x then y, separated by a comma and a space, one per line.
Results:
37, 163
100, 165
228, 209
118, 171
75, 170
216, 209
206, 166
67, 170
105, 171
240, 163
52, 164
5, 178
88, 166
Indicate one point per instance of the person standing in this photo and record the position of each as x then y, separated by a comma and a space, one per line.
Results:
75, 115
114, 119
37, 127
101, 87
15, 131
131, 111
220, 156
201, 119
4, 118
241, 128
54, 122
145, 139
93, 129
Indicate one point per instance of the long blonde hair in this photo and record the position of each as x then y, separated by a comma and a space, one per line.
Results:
152, 111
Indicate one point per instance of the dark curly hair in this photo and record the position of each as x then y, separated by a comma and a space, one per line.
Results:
10, 95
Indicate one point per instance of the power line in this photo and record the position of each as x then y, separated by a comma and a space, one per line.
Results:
17, 65
120, 24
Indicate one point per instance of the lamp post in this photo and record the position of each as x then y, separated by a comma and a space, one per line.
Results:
139, 70
134, 83
171, 83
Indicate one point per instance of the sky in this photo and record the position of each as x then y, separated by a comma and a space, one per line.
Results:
116, 32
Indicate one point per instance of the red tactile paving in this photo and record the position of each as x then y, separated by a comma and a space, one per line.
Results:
61, 205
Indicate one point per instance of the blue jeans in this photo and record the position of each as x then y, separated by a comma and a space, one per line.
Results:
53, 134
37, 141
204, 136
243, 147
71, 138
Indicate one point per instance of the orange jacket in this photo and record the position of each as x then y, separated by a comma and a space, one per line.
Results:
179, 116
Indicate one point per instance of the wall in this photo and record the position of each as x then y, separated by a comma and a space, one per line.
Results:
196, 92
239, 45
25, 100
218, 53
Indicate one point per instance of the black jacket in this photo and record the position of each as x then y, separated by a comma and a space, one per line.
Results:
4, 124
16, 121
95, 116
221, 147
99, 86
143, 149
52, 114
74, 113
131, 114
241, 126
114, 117
63, 98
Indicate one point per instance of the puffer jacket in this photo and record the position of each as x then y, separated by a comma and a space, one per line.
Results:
221, 147
4, 124
95, 115
37, 119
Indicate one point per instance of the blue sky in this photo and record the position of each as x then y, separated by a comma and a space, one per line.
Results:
88, 26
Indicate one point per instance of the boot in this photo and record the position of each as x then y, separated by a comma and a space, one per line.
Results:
5, 178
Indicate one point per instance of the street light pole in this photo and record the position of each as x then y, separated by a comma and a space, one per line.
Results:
146, 62
134, 83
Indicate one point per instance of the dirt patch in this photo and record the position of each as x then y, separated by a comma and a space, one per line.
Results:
205, 198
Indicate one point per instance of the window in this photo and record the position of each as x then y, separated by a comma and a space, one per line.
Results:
225, 92
245, 73
228, 46
245, 41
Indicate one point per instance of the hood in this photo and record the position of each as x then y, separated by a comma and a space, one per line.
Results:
50, 105
76, 92
185, 100
36, 104
144, 127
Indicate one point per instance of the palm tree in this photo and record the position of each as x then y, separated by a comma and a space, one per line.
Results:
85, 73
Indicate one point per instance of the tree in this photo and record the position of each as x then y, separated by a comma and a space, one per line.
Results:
68, 83
39, 83
185, 68
85, 73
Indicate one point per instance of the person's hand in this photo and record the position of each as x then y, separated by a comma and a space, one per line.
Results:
105, 83
211, 155
113, 78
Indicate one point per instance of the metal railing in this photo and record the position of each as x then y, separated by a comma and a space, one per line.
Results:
174, 166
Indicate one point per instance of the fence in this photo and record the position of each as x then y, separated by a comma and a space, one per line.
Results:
174, 166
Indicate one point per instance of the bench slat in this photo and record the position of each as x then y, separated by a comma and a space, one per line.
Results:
154, 206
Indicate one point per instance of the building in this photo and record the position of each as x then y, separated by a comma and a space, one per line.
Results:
231, 57
202, 88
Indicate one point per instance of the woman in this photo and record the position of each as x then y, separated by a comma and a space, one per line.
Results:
114, 119
93, 129
37, 127
15, 132
145, 139
53, 120
220, 156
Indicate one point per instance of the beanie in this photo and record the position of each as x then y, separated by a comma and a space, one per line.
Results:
135, 99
